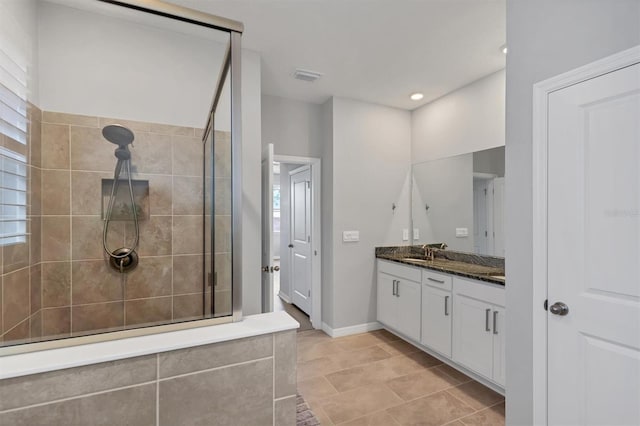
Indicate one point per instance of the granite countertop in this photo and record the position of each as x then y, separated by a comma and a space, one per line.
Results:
477, 267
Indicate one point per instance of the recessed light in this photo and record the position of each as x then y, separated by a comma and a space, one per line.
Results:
503, 49
416, 96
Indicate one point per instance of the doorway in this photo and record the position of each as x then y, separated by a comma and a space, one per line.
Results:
293, 236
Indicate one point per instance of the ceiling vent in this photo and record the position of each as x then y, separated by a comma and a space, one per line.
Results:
306, 75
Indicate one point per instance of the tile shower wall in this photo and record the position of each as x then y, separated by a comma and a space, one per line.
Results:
72, 290
248, 381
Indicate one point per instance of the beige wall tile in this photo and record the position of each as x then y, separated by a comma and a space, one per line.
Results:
56, 192
35, 142
87, 237
187, 235
36, 288
285, 412
148, 311
55, 146
151, 278
34, 191
155, 236
90, 151
129, 406
15, 298
222, 303
74, 119
35, 239
56, 238
167, 129
56, 322
193, 399
187, 195
15, 256
222, 196
56, 284
187, 274
97, 317
215, 355
19, 333
135, 126
151, 153
86, 188
222, 155
187, 156
222, 243
188, 306
160, 193
223, 269
94, 281
35, 325
72, 382
285, 363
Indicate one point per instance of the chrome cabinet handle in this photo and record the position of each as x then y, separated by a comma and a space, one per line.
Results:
486, 320
495, 322
435, 281
398, 288
393, 288
446, 306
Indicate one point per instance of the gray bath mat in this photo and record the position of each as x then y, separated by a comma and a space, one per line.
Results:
304, 415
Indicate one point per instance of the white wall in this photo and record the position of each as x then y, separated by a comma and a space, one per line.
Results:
371, 156
546, 38
98, 65
466, 120
326, 137
293, 127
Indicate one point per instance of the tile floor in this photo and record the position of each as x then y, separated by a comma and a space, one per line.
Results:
377, 379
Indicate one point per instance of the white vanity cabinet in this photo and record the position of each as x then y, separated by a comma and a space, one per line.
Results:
399, 298
437, 306
479, 328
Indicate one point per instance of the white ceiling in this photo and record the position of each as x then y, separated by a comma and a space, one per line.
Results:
378, 51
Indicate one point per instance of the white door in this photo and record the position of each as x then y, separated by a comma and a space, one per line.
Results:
498, 217
436, 319
593, 251
301, 237
267, 228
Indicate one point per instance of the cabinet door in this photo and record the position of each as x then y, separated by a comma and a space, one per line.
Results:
436, 319
472, 334
498, 329
387, 311
408, 308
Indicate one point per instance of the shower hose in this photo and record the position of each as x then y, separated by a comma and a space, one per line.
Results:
127, 251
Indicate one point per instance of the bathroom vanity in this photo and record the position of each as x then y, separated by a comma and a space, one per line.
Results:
451, 306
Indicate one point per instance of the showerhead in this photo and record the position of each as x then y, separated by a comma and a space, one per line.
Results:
117, 134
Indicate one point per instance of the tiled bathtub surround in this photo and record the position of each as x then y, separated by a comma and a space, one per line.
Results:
59, 283
249, 381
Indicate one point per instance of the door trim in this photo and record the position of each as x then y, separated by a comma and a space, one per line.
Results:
541, 92
316, 229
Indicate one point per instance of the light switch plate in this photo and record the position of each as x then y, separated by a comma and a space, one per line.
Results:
416, 234
405, 235
462, 232
350, 236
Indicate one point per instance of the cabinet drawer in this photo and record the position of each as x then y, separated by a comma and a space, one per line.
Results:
399, 270
435, 279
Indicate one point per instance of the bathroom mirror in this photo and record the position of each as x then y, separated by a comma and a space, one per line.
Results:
459, 200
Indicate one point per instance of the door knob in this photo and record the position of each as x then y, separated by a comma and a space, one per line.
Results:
275, 268
559, 308
290, 245
265, 269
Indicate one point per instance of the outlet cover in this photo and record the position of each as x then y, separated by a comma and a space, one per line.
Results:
462, 232
405, 235
416, 234
350, 236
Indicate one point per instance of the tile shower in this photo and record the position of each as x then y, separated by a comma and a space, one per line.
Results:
71, 288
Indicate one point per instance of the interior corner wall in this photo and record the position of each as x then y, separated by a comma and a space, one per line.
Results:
371, 157
546, 38
468, 119
293, 127
326, 137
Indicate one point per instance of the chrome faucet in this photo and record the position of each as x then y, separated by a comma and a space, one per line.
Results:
429, 252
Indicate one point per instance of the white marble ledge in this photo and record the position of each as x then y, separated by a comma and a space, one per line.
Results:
76, 356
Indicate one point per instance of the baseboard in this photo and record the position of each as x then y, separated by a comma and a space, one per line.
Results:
354, 329
284, 297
